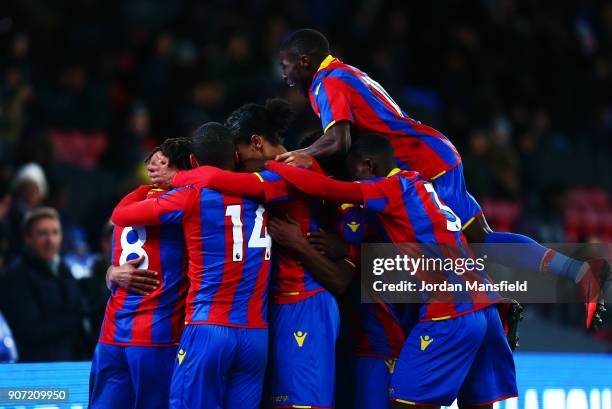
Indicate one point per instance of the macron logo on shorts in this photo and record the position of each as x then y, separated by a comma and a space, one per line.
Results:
425, 341
181, 356
300, 337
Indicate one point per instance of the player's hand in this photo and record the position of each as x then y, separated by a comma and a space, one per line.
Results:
328, 244
286, 233
160, 172
132, 279
295, 158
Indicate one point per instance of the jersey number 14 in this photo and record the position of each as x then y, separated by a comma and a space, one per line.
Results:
255, 239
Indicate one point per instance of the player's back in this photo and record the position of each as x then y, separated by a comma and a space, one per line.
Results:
342, 92
229, 260
157, 318
291, 281
407, 210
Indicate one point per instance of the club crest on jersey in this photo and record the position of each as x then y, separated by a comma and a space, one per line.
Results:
353, 226
300, 337
425, 341
181, 356
390, 365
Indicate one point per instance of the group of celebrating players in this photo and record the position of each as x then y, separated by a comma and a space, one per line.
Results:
190, 324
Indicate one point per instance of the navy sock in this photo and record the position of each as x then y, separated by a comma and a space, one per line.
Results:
531, 256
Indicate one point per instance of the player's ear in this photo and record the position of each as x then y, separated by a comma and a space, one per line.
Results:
193, 161
257, 141
370, 165
304, 60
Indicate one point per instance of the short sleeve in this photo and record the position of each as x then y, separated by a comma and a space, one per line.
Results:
332, 97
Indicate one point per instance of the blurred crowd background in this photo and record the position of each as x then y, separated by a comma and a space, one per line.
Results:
88, 88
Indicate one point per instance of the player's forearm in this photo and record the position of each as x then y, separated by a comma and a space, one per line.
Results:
141, 213
336, 141
335, 275
317, 185
325, 147
231, 183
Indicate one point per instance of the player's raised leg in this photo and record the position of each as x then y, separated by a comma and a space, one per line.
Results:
529, 255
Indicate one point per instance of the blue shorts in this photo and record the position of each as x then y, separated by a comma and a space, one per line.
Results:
302, 351
130, 376
372, 380
452, 190
219, 367
465, 358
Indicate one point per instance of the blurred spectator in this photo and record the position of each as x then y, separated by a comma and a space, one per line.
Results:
39, 296
130, 144
30, 189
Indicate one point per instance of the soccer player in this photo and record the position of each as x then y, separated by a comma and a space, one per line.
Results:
457, 349
222, 353
304, 316
375, 334
349, 102
133, 361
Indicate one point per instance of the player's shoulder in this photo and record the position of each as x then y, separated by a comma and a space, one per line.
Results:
267, 176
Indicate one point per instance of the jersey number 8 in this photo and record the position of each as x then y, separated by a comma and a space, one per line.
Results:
132, 242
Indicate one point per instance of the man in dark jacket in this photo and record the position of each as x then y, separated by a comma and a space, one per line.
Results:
39, 296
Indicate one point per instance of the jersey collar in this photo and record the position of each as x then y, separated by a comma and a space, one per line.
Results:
393, 172
328, 60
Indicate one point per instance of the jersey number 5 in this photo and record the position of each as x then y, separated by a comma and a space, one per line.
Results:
256, 240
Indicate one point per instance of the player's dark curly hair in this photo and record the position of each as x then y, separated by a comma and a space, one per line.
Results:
269, 120
177, 150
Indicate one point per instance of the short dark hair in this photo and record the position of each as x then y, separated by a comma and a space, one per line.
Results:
37, 214
177, 150
306, 41
371, 146
212, 144
269, 121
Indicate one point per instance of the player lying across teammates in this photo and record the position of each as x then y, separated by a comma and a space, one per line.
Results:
200, 255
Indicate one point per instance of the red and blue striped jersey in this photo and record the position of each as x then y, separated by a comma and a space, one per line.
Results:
157, 318
229, 252
375, 327
406, 211
340, 92
291, 282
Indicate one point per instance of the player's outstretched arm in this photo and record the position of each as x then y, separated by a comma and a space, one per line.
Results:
335, 141
335, 275
168, 208
224, 181
318, 185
